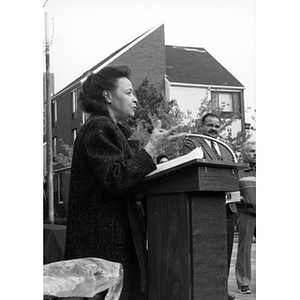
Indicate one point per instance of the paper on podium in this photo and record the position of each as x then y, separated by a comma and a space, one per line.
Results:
196, 153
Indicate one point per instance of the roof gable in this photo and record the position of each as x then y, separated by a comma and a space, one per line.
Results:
105, 61
196, 66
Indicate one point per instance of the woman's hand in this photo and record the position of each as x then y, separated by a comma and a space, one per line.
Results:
162, 138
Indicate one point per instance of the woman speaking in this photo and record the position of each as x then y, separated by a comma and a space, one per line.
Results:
102, 218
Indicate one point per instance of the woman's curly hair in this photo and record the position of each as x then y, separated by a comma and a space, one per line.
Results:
91, 97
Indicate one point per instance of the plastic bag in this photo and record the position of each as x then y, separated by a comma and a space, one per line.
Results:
84, 277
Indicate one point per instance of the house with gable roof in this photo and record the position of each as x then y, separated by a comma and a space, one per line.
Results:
193, 74
186, 74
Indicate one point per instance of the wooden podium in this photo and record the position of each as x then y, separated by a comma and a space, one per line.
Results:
186, 221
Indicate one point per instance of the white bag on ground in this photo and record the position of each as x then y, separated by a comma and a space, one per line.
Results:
84, 277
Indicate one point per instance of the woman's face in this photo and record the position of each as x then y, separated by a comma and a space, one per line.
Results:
123, 102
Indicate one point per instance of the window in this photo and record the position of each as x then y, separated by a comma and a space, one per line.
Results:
60, 187
226, 102
54, 113
85, 116
74, 134
54, 140
75, 96
74, 101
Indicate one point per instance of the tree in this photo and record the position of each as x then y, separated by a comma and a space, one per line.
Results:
64, 158
153, 106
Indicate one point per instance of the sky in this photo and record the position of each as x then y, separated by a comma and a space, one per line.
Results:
83, 33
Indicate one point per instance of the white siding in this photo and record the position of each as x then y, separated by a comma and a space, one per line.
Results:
188, 98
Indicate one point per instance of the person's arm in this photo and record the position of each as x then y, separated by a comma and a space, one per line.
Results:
161, 138
116, 172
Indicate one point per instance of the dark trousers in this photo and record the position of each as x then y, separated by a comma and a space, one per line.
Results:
131, 281
131, 288
230, 236
246, 224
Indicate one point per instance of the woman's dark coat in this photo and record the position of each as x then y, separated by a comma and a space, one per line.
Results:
102, 217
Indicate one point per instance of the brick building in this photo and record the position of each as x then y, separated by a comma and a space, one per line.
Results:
181, 72
146, 57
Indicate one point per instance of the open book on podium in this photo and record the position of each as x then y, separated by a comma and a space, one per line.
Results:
196, 153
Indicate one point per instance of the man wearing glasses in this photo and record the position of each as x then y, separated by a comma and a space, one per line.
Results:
212, 150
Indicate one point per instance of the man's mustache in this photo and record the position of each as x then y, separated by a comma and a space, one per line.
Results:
213, 131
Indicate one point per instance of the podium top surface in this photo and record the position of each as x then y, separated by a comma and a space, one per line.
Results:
198, 163
193, 175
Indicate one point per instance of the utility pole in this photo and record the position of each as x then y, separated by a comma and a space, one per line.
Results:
49, 126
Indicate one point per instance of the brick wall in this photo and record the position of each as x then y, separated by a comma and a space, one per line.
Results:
146, 59
62, 128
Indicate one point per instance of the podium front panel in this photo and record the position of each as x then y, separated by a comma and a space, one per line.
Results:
169, 260
187, 246
209, 245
